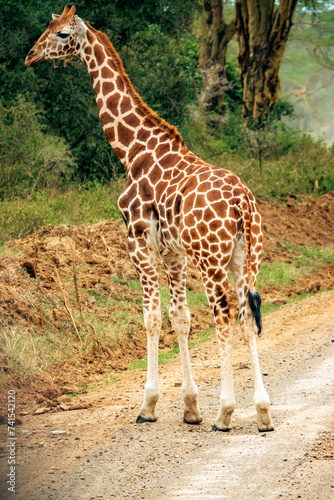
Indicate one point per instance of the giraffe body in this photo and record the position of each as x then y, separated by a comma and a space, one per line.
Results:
175, 206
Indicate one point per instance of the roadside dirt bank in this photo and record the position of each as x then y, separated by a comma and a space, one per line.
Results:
104, 454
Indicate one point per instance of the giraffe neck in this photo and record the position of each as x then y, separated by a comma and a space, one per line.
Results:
129, 124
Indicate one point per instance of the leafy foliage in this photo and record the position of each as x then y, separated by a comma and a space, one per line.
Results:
30, 159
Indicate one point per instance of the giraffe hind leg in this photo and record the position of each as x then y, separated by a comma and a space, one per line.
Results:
250, 320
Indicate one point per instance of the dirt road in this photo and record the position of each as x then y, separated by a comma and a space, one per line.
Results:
103, 454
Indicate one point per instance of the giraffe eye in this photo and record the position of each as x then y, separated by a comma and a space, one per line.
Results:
62, 35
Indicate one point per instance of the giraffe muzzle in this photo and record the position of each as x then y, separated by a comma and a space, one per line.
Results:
32, 58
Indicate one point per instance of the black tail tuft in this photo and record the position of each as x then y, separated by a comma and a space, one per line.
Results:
254, 300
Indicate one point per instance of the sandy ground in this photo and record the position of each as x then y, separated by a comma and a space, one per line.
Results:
104, 454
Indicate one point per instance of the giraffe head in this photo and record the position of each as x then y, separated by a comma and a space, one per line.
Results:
61, 39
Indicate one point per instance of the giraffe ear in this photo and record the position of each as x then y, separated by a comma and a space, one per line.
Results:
55, 16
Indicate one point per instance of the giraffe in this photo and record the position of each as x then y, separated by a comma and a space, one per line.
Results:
175, 206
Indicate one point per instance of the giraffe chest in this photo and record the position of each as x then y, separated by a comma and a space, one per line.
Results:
152, 216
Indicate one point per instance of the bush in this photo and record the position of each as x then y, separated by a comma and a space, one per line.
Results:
30, 159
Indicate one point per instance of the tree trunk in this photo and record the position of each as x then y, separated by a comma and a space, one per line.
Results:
262, 37
215, 36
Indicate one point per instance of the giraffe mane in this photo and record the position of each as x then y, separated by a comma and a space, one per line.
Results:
157, 120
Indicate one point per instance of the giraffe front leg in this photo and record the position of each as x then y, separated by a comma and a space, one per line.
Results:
180, 320
152, 320
175, 266
145, 261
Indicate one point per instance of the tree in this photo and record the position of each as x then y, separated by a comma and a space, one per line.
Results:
262, 36
216, 34
158, 49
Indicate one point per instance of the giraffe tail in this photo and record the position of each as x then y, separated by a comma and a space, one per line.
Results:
254, 299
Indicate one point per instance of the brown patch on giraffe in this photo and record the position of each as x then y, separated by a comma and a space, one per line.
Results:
231, 226
200, 201
238, 192
110, 132
135, 207
88, 50
139, 228
218, 276
175, 146
106, 119
204, 187
132, 120
143, 135
215, 225
140, 112
120, 153
170, 160
194, 234
191, 182
148, 123
173, 231
226, 246
92, 64
90, 37
214, 195
161, 186
190, 221
146, 191
202, 228
99, 103
126, 105
141, 165
213, 261
93, 75
99, 54
111, 64
106, 73
220, 208
212, 238
155, 175
162, 149
135, 150
125, 199
196, 245
152, 143
120, 84
169, 216
107, 88
112, 103
189, 203
167, 175
257, 218
97, 87
147, 210
125, 134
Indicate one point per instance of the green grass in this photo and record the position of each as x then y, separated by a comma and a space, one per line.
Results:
279, 273
86, 204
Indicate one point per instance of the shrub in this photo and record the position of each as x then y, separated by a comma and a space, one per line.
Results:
30, 158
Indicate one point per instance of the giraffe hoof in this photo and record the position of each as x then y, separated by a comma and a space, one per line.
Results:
268, 429
194, 422
141, 419
215, 428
